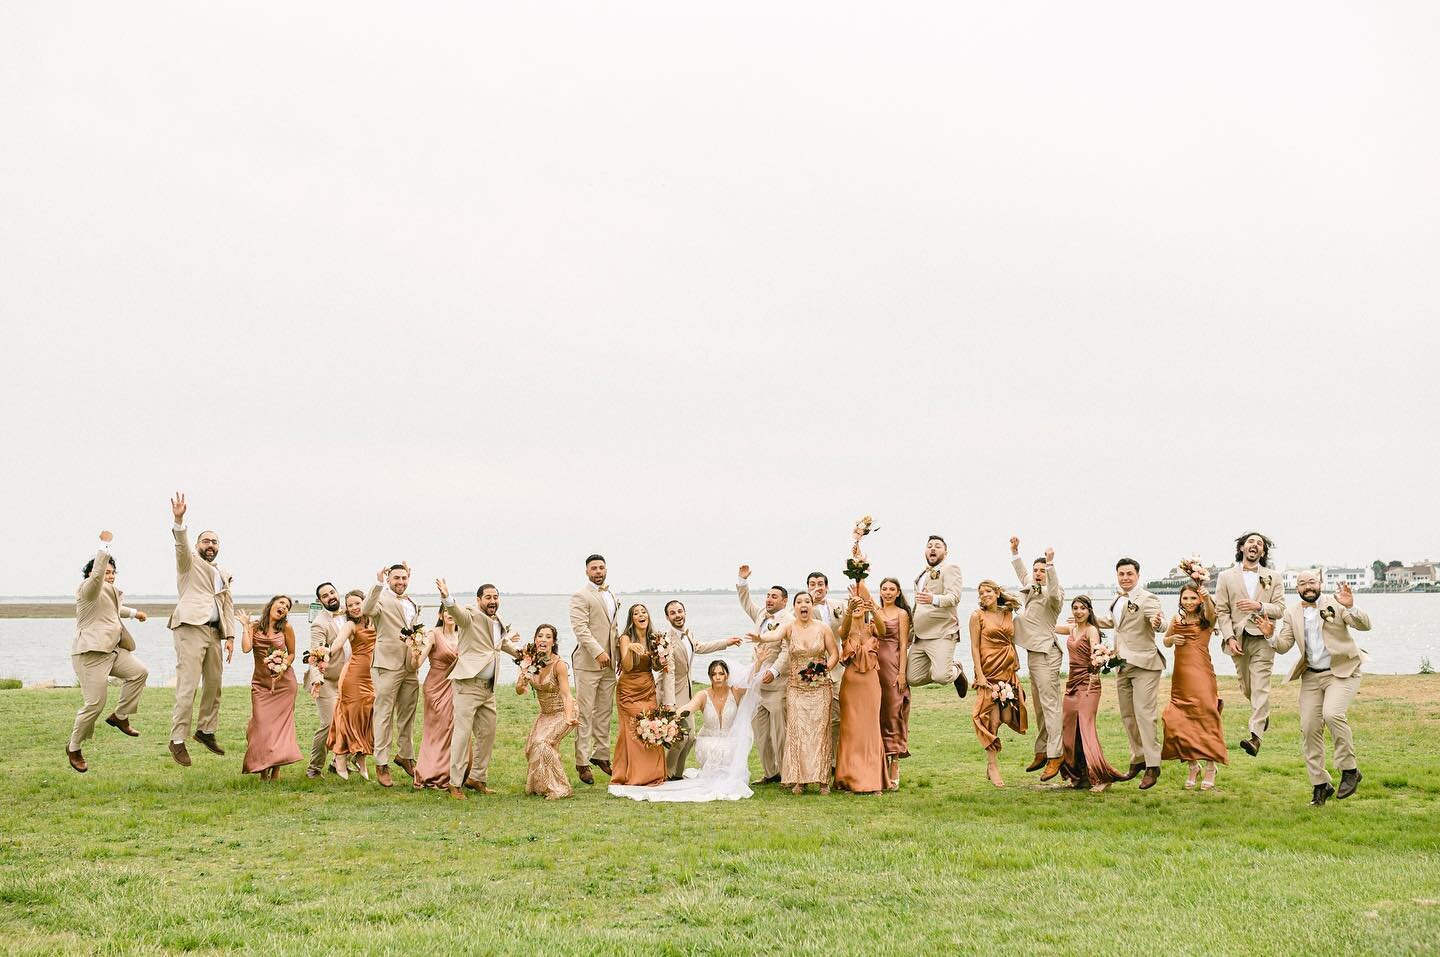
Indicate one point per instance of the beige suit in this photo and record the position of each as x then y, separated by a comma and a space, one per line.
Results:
102, 648
935, 628
472, 685
1325, 695
768, 724
204, 614
1256, 660
1035, 632
325, 628
397, 689
1138, 684
682, 689
597, 631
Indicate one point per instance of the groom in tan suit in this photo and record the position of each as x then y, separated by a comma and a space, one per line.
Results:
1329, 673
1035, 632
684, 648
324, 686
204, 616
1245, 593
771, 664
480, 639
397, 689
594, 617
1135, 615
936, 624
102, 648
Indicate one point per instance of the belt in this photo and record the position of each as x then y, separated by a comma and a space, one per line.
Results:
1318, 671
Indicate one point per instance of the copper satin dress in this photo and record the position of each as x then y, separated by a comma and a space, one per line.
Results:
860, 760
807, 758
635, 763
544, 771
352, 728
1000, 663
1192, 718
432, 768
1083, 762
270, 740
894, 693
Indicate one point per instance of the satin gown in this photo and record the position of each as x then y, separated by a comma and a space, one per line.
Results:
270, 740
1083, 762
432, 768
544, 771
1192, 718
807, 758
352, 728
1000, 663
860, 760
894, 693
635, 763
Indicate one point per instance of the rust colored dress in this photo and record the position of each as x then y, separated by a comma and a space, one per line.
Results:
1000, 663
635, 763
432, 769
894, 700
1192, 718
545, 772
1083, 762
807, 755
270, 740
860, 760
352, 729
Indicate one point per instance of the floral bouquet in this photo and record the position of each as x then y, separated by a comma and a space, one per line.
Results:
1104, 659
413, 635
813, 672
857, 566
537, 662
661, 652
659, 728
1194, 568
1005, 695
275, 661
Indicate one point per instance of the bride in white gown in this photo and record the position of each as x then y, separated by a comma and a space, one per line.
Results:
722, 746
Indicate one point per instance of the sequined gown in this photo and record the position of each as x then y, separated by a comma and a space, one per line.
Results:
807, 758
545, 772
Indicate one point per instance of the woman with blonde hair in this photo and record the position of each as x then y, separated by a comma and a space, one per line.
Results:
999, 699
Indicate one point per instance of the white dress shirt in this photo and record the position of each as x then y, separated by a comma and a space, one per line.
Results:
1117, 607
1317, 656
1252, 582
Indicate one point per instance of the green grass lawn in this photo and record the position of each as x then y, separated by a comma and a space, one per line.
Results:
140, 855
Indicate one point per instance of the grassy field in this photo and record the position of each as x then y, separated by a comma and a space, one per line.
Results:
142, 856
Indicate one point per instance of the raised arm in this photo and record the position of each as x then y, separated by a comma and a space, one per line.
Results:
372, 600
1022, 571
90, 588
184, 556
742, 588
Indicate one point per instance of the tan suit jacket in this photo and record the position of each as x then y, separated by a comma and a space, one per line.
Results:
1135, 635
198, 597
938, 619
1346, 656
475, 648
1035, 626
682, 660
767, 654
326, 629
98, 612
595, 630
390, 613
1231, 622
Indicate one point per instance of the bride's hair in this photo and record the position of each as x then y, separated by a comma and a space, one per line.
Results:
717, 663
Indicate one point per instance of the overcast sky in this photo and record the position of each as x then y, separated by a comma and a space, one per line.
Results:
488, 287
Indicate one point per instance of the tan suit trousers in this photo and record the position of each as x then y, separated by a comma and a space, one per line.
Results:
1045, 687
676, 757
325, 711
1253, 667
595, 700
474, 700
199, 663
769, 726
931, 661
92, 671
1324, 701
397, 693
1139, 693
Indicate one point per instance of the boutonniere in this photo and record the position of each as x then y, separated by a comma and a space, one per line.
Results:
934, 574
1036, 588
1265, 581
1328, 613
1131, 606
771, 625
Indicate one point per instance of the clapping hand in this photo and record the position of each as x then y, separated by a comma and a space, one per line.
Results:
1344, 596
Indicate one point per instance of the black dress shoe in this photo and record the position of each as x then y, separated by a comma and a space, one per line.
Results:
1349, 781
962, 684
1251, 746
207, 738
1321, 795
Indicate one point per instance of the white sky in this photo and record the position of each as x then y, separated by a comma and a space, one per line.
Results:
489, 287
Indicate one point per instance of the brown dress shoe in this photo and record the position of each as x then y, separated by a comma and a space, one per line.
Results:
455, 793
1148, 781
178, 752
584, 773
602, 765
313, 773
1036, 764
207, 738
77, 760
407, 765
962, 684
480, 787
1251, 746
1052, 768
123, 724
1135, 768
1349, 781
382, 774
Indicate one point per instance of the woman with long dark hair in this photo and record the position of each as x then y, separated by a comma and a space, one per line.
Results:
545, 671
1083, 762
439, 647
893, 652
352, 729
270, 741
636, 763
1193, 732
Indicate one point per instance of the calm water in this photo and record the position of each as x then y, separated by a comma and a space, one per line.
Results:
1406, 629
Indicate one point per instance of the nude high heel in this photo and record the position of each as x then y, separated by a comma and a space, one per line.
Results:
1194, 772
1207, 783
341, 767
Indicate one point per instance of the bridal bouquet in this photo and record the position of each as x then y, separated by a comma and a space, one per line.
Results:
1005, 695
1104, 659
660, 652
413, 635
1194, 568
275, 661
659, 728
857, 566
813, 672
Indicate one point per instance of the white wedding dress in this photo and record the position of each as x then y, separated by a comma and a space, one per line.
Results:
723, 749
